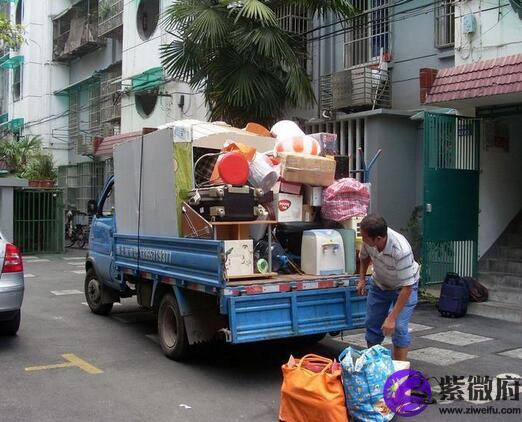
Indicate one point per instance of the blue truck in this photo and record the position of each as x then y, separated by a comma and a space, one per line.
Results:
183, 279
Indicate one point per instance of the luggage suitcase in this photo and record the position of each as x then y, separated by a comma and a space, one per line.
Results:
454, 296
226, 203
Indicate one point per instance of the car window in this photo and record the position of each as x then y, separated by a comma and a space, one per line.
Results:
108, 205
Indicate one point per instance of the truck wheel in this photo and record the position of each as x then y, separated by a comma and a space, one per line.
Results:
93, 295
10, 327
171, 329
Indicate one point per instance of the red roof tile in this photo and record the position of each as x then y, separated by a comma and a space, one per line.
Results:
502, 75
108, 143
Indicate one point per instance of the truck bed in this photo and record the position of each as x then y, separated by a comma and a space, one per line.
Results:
285, 278
256, 309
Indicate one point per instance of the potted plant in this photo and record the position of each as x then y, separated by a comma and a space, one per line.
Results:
41, 171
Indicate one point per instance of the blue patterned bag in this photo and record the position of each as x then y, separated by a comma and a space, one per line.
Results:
364, 375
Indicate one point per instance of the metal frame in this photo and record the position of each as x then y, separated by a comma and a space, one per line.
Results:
444, 11
351, 136
451, 153
296, 20
39, 220
110, 25
366, 33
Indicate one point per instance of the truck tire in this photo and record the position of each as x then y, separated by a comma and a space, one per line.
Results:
93, 294
10, 327
171, 329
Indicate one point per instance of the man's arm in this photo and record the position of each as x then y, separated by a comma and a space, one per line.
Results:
389, 323
364, 263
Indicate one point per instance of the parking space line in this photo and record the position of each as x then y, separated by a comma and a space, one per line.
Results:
29, 275
72, 258
78, 272
76, 264
66, 292
32, 261
72, 361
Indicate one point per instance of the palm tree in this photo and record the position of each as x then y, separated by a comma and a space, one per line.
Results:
235, 52
16, 153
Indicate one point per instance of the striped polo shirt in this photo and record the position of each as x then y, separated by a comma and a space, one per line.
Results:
395, 266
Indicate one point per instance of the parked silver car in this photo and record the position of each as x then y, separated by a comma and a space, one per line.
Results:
11, 287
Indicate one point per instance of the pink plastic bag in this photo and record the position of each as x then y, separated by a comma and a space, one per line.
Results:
344, 199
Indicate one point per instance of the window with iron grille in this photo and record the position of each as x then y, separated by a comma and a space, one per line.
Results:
445, 23
367, 33
17, 83
296, 20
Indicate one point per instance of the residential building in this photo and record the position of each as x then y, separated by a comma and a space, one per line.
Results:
366, 73
88, 70
486, 83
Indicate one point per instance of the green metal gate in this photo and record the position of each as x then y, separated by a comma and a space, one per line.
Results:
39, 220
451, 196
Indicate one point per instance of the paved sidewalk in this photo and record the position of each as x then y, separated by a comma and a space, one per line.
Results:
469, 346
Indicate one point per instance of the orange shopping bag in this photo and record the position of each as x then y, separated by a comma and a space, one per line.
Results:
312, 391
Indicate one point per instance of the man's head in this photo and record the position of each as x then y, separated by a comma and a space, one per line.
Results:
374, 231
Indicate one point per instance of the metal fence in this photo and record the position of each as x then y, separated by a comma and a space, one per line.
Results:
39, 220
81, 183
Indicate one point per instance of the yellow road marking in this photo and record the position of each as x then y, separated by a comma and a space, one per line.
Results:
73, 361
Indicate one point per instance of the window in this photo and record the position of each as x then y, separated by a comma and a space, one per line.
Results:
17, 83
147, 18
295, 20
367, 34
445, 23
108, 204
146, 102
19, 12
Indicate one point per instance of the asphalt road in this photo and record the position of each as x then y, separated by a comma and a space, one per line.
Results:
123, 375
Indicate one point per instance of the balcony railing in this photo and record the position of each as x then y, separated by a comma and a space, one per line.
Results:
110, 18
75, 32
360, 88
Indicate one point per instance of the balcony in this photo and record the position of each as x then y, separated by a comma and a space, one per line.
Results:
356, 89
110, 98
75, 31
110, 18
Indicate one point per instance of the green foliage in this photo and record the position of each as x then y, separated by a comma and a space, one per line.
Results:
11, 36
24, 158
248, 68
41, 167
104, 8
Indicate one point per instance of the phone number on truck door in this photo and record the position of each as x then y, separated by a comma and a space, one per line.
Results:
146, 254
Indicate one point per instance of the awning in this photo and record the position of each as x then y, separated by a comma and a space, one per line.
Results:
4, 118
104, 149
148, 80
77, 86
4, 58
489, 82
13, 125
12, 62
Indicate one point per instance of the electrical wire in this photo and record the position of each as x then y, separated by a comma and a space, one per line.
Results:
416, 11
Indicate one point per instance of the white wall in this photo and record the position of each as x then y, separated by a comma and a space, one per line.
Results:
500, 194
138, 56
44, 113
498, 34
37, 105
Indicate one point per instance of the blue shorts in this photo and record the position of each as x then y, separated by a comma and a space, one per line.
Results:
379, 304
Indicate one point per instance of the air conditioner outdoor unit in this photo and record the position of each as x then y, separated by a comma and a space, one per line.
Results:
342, 89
